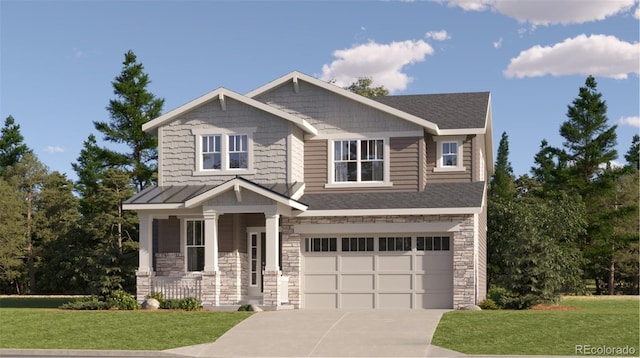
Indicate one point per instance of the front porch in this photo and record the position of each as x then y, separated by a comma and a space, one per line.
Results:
222, 245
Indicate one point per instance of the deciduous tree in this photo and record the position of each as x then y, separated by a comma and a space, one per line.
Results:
363, 87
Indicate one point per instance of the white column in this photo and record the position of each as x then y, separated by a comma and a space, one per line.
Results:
211, 241
272, 228
146, 242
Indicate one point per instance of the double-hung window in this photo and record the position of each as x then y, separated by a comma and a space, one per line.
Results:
219, 150
358, 160
211, 154
449, 151
238, 152
195, 245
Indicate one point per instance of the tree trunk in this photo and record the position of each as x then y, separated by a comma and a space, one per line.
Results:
612, 277
30, 257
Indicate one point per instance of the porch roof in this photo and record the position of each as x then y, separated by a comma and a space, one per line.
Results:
181, 196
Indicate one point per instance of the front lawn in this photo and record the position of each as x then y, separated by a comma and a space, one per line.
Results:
583, 323
126, 330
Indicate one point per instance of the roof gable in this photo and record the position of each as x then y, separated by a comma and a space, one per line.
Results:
221, 94
296, 76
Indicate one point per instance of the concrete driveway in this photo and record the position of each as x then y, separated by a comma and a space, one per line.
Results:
328, 333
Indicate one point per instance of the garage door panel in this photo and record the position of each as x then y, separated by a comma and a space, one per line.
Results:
321, 282
420, 282
320, 264
357, 282
394, 300
394, 263
441, 300
438, 282
357, 300
433, 262
321, 300
394, 282
357, 263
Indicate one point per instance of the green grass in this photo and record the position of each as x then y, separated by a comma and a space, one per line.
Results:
128, 330
597, 322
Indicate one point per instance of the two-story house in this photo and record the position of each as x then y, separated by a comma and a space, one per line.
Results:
303, 194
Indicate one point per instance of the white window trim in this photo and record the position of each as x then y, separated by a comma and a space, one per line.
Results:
224, 134
459, 140
332, 184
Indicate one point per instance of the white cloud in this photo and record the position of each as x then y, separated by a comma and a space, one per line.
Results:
438, 35
497, 44
53, 149
548, 12
597, 55
383, 63
630, 121
636, 14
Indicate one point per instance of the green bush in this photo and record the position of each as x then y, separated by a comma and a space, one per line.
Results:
499, 295
187, 304
521, 302
489, 304
86, 303
122, 301
244, 307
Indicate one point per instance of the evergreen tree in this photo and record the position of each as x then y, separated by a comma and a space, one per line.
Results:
13, 242
57, 218
633, 154
133, 106
589, 141
90, 167
28, 176
502, 182
363, 87
12, 147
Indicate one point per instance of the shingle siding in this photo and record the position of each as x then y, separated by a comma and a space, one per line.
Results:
269, 150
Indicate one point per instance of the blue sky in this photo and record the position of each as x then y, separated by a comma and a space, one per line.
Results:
58, 58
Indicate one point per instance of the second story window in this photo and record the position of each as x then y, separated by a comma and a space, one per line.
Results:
358, 160
211, 155
238, 153
220, 151
449, 154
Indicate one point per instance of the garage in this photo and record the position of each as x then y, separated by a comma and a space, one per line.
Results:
377, 271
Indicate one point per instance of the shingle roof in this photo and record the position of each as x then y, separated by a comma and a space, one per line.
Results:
448, 110
445, 195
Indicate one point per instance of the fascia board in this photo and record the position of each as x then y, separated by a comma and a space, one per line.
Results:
159, 121
165, 206
384, 212
238, 183
431, 127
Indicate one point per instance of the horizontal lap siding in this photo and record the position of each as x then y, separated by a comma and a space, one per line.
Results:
404, 163
404, 168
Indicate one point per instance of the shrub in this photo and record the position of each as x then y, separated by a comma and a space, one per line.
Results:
244, 307
122, 301
498, 295
86, 303
187, 304
489, 304
521, 302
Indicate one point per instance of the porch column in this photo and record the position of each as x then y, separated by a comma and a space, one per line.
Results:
272, 231
146, 242
211, 241
211, 274
144, 274
270, 289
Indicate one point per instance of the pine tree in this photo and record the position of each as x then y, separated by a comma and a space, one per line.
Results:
90, 167
12, 147
133, 106
502, 182
589, 141
633, 154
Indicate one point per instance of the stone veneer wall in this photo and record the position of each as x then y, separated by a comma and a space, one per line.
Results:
169, 264
464, 279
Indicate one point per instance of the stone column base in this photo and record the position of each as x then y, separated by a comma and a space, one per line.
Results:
143, 284
270, 289
211, 288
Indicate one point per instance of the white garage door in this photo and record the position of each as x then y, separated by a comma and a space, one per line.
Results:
377, 272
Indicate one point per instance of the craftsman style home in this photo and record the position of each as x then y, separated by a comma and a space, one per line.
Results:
301, 194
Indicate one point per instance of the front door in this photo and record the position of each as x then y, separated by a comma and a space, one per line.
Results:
257, 261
